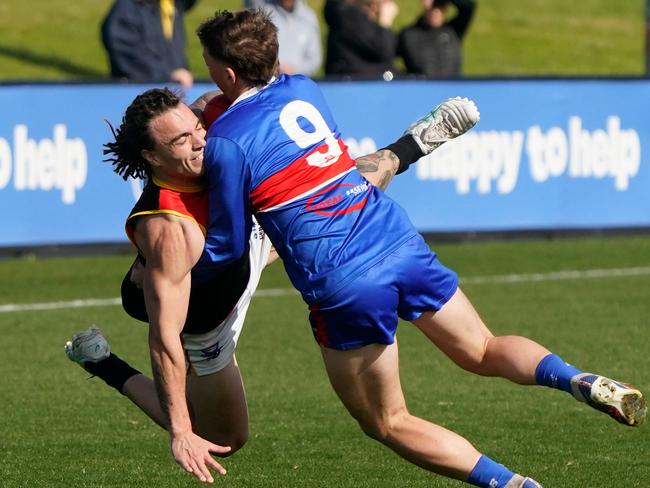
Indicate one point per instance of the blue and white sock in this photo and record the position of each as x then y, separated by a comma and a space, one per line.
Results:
489, 474
553, 372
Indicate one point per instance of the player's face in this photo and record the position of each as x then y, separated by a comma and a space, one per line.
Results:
179, 142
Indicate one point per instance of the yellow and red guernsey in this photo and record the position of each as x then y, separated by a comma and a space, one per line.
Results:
159, 197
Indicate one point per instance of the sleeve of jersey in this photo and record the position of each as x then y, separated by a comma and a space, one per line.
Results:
229, 221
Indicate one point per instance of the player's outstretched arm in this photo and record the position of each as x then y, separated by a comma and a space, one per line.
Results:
450, 119
171, 248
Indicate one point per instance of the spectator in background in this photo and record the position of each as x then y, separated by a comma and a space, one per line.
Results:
360, 41
298, 34
432, 46
145, 41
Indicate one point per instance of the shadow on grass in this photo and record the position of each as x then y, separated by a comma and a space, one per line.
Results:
51, 61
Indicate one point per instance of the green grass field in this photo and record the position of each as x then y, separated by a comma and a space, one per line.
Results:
61, 429
59, 40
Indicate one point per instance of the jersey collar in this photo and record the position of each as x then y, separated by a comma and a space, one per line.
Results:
252, 91
178, 188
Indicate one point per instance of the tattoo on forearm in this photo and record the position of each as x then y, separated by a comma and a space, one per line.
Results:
159, 381
368, 163
384, 162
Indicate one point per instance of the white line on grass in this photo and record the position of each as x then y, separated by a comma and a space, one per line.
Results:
557, 275
29, 307
276, 292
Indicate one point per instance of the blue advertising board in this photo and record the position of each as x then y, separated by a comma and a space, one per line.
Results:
547, 154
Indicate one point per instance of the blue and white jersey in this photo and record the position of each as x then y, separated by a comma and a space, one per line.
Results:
278, 153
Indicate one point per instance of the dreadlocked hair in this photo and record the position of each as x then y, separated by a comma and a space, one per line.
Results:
133, 136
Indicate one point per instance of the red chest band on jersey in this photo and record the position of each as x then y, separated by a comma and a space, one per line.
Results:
194, 205
299, 179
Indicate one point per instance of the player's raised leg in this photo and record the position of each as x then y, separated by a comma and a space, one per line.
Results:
217, 400
91, 351
460, 333
367, 382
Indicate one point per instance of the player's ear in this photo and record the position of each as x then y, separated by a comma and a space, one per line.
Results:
230, 73
149, 157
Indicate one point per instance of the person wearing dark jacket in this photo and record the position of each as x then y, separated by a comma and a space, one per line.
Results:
145, 41
432, 46
360, 42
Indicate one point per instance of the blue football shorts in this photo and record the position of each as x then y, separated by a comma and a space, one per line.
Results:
405, 284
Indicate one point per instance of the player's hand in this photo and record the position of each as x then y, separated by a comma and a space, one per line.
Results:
182, 77
203, 100
193, 454
198, 105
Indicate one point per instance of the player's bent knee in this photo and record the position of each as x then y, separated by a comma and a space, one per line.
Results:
234, 440
236, 443
383, 428
472, 359
471, 362
377, 432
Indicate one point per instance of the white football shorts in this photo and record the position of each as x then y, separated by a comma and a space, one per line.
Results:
212, 351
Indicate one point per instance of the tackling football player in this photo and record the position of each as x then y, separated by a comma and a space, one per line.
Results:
354, 255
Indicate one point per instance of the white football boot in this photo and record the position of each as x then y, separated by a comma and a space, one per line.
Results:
622, 402
87, 346
450, 119
518, 481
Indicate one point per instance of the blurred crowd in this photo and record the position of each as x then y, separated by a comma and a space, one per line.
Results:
146, 41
